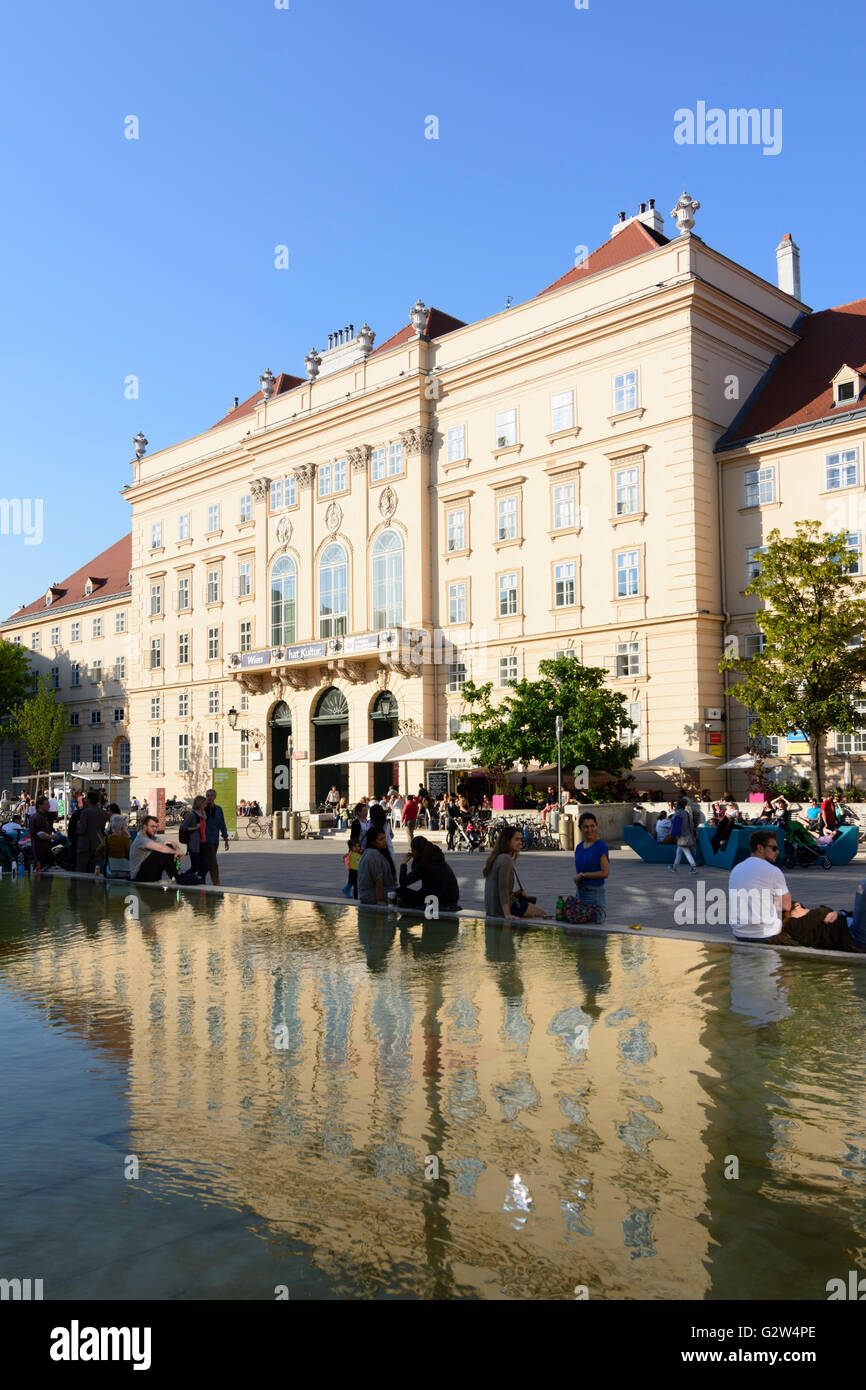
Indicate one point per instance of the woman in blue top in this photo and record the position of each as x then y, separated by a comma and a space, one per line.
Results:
591, 862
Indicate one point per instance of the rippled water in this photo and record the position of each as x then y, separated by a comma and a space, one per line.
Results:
289, 1080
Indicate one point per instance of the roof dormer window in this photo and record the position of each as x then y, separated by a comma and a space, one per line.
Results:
88, 588
848, 384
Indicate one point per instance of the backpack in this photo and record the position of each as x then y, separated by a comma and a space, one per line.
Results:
677, 825
184, 833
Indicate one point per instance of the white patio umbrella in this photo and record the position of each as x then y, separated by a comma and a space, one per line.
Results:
450, 750
679, 758
403, 748
745, 762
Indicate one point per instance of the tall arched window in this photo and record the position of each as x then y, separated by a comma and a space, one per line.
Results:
283, 600
387, 580
333, 591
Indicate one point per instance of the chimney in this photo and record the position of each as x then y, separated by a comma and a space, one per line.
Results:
650, 218
788, 266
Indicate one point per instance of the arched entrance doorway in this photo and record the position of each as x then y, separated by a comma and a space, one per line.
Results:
383, 717
331, 735
280, 724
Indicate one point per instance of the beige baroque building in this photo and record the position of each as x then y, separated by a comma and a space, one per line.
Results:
78, 634
587, 472
542, 480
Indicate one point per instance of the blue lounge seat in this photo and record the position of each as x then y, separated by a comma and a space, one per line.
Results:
843, 849
647, 846
737, 848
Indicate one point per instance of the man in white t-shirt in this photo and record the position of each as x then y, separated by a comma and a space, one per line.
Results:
757, 892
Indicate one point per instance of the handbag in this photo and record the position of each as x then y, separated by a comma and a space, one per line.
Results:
577, 912
519, 891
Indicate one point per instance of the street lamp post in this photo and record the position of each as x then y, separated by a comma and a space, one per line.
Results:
109, 775
559, 761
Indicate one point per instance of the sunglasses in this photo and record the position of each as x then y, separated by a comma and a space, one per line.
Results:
771, 849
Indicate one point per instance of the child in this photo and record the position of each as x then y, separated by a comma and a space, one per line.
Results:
352, 860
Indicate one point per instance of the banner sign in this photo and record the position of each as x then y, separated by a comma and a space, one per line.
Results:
306, 652
156, 806
225, 784
249, 659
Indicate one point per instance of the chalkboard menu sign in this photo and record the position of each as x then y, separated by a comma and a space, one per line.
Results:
437, 783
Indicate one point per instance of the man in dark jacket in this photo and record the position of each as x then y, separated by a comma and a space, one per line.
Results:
215, 825
91, 831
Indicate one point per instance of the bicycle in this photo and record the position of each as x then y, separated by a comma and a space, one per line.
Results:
257, 828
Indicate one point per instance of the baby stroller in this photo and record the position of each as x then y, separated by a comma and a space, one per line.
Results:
467, 837
801, 851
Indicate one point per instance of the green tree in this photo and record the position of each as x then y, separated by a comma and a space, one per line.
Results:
812, 668
40, 723
15, 682
522, 728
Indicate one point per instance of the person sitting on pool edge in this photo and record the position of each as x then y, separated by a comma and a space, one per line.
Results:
591, 863
425, 873
149, 858
501, 898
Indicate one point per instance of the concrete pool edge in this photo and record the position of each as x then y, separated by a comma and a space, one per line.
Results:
467, 914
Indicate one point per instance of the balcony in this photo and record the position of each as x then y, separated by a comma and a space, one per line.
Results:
306, 665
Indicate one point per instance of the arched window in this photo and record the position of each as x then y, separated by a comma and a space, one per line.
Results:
387, 580
333, 591
283, 601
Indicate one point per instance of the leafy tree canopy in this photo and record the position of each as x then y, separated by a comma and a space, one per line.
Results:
522, 728
15, 682
813, 667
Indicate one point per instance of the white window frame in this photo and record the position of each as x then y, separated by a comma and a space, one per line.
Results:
156, 535
183, 526
183, 752
96, 628
213, 749
506, 428
155, 654
156, 753
626, 489
562, 411
245, 635
625, 392
54, 637
214, 586
213, 517
245, 507
753, 567
120, 668
75, 674
458, 602
759, 487
508, 517
457, 677
565, 584
564, 506
184, 649
455, 442
213, 700
626, 564
841, 469
396, 462
74, 632
155, 608
183, 704
509, 592
120, 621
324, 480
451, 539
627, 660
156, 706
213, 643
245, 579
184, 588
508, 672
378, 463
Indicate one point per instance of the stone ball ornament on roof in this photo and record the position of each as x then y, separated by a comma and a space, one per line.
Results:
683, 213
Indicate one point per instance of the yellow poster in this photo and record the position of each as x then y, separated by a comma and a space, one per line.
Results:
225, 784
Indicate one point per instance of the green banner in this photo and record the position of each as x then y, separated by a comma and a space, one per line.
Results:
225, 784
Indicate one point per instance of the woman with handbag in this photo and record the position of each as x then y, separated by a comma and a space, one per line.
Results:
591, 863
501, 898
684, 830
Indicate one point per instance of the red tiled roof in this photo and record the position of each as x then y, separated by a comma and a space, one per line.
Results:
284, 382
634, 240
798, 390
437, 325
113, 566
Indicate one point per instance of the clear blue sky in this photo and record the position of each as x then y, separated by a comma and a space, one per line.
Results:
305, 126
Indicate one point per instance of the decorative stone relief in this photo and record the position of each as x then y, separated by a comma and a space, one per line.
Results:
259, 489
417, 441
359, 457
284, 531
333, 517
305, 474
387, 503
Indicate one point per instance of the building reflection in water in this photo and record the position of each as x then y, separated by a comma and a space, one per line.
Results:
368, 1085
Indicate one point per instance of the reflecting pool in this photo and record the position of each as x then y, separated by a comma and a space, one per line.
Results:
226, 1097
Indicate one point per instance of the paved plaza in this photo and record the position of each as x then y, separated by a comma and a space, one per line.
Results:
638, 893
